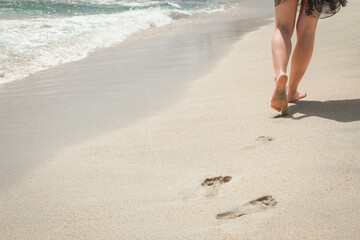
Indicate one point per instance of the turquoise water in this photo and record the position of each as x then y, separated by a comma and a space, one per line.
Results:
38, 34
16, 9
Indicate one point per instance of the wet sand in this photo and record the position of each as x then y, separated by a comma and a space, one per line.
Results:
109, 90
216, 164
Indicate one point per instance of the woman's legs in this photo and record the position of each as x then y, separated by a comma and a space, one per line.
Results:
305, 28
285, 16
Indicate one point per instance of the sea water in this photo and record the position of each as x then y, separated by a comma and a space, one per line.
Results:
38, 34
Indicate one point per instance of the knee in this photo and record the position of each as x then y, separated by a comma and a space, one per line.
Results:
285, 31
305, 33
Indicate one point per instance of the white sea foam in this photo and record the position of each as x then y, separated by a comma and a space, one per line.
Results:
36, 44
28, 45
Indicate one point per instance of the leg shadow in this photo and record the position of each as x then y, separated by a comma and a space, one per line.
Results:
337, 110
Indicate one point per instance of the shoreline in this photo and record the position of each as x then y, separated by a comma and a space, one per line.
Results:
176, 27
148, 180
109, 90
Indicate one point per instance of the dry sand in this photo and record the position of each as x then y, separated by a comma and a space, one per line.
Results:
145, 181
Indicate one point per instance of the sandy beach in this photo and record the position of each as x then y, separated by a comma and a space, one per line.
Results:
217, 162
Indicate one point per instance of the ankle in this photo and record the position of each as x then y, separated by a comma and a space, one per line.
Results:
292, 91
279, 75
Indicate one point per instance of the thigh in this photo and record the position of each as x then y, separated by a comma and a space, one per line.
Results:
305, 23
285, 15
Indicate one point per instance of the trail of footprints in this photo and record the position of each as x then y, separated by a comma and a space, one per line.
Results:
212, 185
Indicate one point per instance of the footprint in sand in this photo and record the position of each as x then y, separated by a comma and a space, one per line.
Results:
211, 185
258, 205
260, 140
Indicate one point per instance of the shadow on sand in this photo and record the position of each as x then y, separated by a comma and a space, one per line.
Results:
337, 110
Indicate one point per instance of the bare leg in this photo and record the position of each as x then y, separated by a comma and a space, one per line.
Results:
305, 28
285, 15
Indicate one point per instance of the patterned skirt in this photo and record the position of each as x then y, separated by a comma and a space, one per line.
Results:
320, 8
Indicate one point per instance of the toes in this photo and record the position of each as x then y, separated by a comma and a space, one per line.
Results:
302, 95
297, 97
276, 108
216, 180
212, 185
227, 178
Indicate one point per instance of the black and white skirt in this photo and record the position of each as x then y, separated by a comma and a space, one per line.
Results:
320, 8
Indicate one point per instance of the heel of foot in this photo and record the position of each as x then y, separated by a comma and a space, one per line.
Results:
279, 99
281, 82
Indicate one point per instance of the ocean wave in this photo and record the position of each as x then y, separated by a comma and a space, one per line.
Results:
23, 9
46, 36
37, 44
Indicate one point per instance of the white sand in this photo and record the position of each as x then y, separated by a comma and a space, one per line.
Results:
144, 181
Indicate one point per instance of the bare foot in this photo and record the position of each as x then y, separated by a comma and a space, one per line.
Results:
279, 100
294, 97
